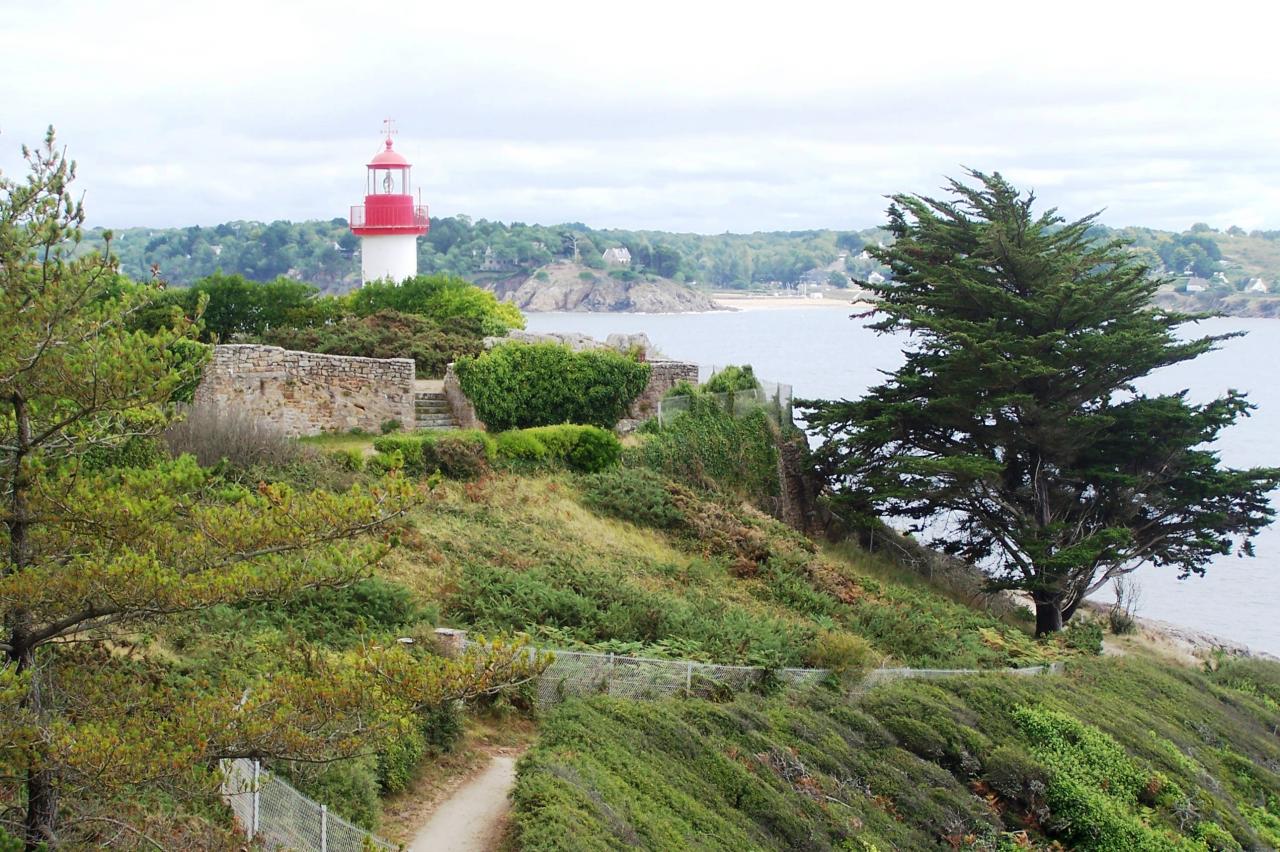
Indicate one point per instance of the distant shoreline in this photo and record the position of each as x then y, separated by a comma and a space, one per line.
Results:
789, 303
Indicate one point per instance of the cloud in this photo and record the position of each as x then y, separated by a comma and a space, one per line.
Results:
674, 115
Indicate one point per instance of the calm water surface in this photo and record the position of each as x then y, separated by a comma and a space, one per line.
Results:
824, 354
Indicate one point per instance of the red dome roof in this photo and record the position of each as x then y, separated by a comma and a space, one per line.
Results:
388, 159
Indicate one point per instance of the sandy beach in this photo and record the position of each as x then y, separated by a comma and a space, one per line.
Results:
784, 303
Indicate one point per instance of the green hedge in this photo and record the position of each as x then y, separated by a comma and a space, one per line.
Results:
462, 454
519, 385
469, 453
586, 449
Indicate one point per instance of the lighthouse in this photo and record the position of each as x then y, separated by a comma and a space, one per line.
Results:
389, 222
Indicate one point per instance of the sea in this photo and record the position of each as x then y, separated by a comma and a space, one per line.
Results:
825, 353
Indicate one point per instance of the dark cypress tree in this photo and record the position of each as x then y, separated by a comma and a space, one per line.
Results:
1015, 417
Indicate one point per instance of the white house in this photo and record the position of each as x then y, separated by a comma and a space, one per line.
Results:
875, 278
1257, 285
617, 256
1197, 285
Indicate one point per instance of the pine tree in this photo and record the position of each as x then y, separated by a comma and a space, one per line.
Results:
1014, 431
94, 551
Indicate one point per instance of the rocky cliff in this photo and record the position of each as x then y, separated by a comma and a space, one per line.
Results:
571, 287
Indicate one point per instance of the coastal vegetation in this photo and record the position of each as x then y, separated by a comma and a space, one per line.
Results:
430, 318
1016, 415
182, 584
518, 385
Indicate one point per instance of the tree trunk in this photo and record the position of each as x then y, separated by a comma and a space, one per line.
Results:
42, 809
42, 794
1048, 613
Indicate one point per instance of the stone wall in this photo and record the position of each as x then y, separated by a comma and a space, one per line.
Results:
664, 375
305, 393
464, 413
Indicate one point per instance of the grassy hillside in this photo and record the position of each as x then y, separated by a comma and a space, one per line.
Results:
1120, 754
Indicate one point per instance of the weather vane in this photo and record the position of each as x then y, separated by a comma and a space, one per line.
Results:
389, 129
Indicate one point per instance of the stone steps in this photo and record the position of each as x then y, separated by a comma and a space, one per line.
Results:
431, 411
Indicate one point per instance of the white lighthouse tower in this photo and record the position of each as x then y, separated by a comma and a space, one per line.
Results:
389, 222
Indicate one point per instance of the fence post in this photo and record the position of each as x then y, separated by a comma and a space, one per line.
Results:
688, 677
324, 828
257, 792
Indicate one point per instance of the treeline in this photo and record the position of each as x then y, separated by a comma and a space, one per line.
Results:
326, 253
430, 318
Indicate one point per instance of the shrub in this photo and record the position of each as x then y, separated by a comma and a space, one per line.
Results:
389, 426
710, 448
446, 299
460, 455
388, 334
398, 760
636, 495
519, 385
410, 449
141, 448
1083, 635
442, 726
585, 449
348, 787
732, 379
339, 617
520, 446
595, 450
350, 459
843, 653
385, 462
214, 435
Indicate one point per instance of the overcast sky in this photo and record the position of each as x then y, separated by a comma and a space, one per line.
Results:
678, 116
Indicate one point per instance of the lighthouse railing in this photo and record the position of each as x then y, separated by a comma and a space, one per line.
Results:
391, 218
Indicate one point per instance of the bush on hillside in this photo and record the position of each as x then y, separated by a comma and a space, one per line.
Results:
707, 447
519, 385
632, 494
732, 379
460, 454
443, 298
585, 449
387, 334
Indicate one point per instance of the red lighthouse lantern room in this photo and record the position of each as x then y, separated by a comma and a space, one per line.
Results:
389, 222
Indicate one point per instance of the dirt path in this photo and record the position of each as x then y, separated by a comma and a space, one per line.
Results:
473, 818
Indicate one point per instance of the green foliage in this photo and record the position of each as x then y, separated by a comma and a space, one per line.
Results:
444, 299
99, 563
1013, 414
431, 343
397, 762
340, 617
348, 787
710, 448
844, 653
732, 379
1084, 635
585, 449
234, 306
518, 385
460, 454
519, 447
632, 494
962, 763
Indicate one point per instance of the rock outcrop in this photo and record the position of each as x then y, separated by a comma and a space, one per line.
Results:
572, 287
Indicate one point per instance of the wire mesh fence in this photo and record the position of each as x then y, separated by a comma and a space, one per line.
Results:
578, 673
584, 673
773, 398
276, 816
